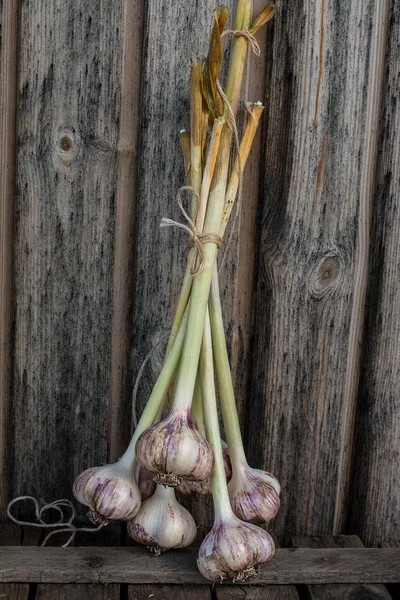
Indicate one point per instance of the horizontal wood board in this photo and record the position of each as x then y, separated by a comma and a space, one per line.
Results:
134, 565
358, 591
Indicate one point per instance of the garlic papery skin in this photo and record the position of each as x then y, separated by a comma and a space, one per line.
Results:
146, 483
109, 491
254, 494
234, 550
162, 523
205, 487
174, 449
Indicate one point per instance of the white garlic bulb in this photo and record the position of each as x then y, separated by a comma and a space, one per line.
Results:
174, 449
162, 523
204, 488
254, 494
233, 550
109, 491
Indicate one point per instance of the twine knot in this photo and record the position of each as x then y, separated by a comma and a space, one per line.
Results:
249, 37
197, 239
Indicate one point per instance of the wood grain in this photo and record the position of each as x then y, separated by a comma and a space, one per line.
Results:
169, 592
307, 254
68, 144
375, 508
133, 565
275, 592
85, 592
121, 335
367, 183
8, 106
14, 591
338, 590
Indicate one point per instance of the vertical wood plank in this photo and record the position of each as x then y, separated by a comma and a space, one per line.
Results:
367, 185
8, 106
174, 33
95, 591
68, 142
316, 143
121, 343
169, 592
269, 592
375, 510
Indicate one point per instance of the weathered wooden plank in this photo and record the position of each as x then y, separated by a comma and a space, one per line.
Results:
8, 106
316, 140
270, 592
121, 340
174, 33
375, 511
68, 143
339, 591
133, 565
170, 592
51, 591
14, 591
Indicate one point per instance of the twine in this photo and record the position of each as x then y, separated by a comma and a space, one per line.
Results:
198, 239
66, 524
246, 34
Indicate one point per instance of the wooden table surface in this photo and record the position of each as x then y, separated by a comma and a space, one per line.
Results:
103, 568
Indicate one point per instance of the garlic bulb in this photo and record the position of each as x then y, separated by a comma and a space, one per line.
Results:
162, 522
146, 483
109, 491
174, 449
205, 487
254, 494
233, 550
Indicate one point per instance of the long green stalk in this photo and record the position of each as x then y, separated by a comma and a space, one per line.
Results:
219, 488
201, 285
224, 377
160, 388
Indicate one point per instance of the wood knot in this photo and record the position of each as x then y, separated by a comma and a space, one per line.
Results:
325, 276
66, 144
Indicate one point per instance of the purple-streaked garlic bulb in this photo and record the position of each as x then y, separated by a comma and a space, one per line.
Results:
254, 494
174, 449
162, 523
146, 483
234, 550
205, 487
109, 491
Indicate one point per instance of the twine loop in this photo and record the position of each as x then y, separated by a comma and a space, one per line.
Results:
249, 37
64, 523
197, 239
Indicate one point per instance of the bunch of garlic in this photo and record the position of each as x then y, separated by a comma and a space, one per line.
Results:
183, 450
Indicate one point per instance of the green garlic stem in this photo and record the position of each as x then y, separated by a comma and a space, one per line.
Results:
222, 504
159, 391
224, 377
197, 406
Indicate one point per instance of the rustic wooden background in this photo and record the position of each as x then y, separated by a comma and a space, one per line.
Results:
93, 96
